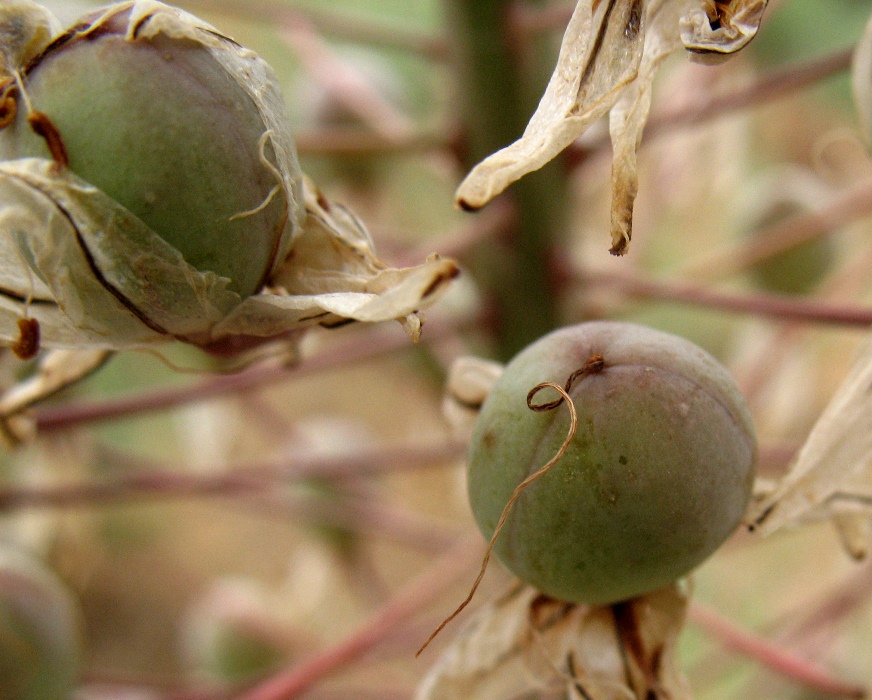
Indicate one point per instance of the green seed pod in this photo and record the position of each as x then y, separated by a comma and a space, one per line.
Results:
785, 193
658, 475
232, 634
175, 122
39, 631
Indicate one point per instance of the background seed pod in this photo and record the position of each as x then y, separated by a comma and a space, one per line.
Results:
39, 631
783, 194
168, 117
657, 477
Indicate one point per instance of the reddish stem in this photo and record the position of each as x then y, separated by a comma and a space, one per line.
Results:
413, 597
770, 655
361, 347
771, 305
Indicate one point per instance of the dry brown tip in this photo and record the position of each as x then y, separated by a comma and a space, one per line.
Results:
27, 345
8, 104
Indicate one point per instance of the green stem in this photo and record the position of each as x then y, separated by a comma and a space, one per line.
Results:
495, 84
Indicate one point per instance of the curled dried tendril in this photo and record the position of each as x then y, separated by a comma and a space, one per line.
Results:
594, 365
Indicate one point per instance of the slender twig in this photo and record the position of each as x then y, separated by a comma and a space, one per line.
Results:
532, 19
343, 26
768, 305
771, 656
413, 597
266, 491
364, 346
846, 207
348, 142
836, 603
775, 85
161, 483
344, 82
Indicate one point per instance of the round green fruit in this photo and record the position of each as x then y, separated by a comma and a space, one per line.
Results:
40, 635
657, 476
169, 119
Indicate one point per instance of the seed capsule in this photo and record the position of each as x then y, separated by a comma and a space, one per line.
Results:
175, 122
39, 631
658, 475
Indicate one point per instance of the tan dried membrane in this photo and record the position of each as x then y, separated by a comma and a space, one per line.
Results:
524, 642
608, 59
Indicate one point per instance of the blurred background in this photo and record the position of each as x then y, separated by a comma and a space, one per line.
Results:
215, 529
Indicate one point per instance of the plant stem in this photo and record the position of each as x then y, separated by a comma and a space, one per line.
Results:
772, 656
768, 305
361, 347
358, 29
494, 90
413, 597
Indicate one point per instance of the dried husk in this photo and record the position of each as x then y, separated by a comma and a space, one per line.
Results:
831, 476
609, 56
25, 30
527, 645
73, 259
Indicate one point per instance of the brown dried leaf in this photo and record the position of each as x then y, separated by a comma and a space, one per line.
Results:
26, 28
526, 643
717, 28
610, 53
332, 275
600, 54
832, 474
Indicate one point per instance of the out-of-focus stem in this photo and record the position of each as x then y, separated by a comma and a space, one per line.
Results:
382, 625
494, 86
768, 305
358, 29
365, 345
772, 656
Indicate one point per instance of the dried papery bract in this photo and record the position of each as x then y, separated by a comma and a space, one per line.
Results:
831, 476
470, 379
608, 59
525, 643
26, 28
715, 29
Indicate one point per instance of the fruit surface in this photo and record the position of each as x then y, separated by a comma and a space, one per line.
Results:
658, 475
